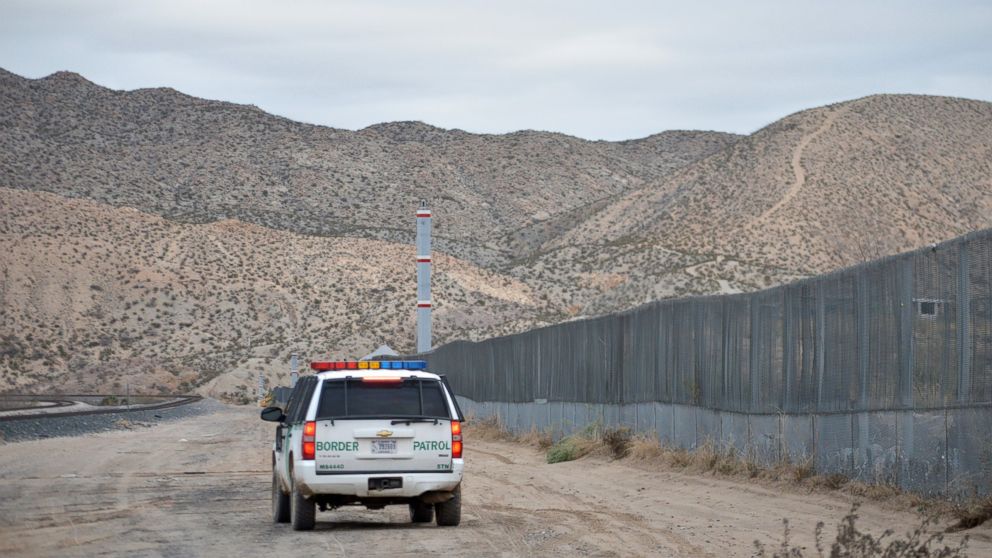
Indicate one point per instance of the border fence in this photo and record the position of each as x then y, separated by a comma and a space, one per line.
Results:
882, 372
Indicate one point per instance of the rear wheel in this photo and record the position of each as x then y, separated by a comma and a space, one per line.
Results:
280, 501
449, 514
421, 512
302, 512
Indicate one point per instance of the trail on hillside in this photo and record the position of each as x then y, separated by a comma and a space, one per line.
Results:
798, 172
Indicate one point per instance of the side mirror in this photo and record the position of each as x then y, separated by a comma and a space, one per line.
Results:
273, 414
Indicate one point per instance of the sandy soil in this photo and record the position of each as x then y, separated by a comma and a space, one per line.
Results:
200, 487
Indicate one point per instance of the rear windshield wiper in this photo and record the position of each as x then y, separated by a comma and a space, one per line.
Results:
409, 420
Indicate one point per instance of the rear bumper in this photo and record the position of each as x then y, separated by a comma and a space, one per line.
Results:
357, 484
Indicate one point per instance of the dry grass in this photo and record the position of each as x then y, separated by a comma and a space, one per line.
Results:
542, 439
730, 463
488, 428
880, 491
645, 451
921, 542
592, 440
617, 442
707, 458
972, 514
833, 481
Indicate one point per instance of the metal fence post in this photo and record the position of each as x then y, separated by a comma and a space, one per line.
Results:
964, 325
788, 349
536, 391
861, 310
906, 310
756, 404
905, 283
862, 319
821, 342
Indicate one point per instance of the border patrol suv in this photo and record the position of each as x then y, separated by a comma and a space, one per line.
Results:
368, 433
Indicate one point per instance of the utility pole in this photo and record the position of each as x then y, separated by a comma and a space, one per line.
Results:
423, 278
294, 369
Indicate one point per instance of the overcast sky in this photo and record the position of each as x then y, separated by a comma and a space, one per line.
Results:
605, 70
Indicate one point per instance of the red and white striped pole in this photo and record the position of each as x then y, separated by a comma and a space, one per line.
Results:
423, 278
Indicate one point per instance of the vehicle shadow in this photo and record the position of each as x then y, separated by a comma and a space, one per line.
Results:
353, 525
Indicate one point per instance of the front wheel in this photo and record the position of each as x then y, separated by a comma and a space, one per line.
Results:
302, 512
280, 501
449, 514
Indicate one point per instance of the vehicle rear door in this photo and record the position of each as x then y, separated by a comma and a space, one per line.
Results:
383, 424
290, 431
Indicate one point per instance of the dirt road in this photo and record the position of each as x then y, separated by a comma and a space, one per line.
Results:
200, 487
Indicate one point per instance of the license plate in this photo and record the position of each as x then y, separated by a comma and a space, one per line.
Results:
380, 447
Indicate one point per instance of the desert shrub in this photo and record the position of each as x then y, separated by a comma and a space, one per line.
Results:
803, 470
831, 481
851, 542
564, 450
617, 441
593, 439
543, 439
972, 514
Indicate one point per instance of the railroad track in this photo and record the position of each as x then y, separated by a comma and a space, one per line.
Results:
67, 400
52, 403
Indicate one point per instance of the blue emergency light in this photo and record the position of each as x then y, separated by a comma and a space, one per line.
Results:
370, 365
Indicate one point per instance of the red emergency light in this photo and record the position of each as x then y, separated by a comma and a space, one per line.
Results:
324, 366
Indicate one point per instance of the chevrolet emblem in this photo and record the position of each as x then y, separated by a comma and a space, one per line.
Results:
384, 433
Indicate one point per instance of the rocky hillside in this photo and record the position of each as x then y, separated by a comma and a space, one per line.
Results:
821, 189
178, 243
195, 160
94, 296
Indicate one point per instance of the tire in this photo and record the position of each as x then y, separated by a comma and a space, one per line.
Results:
421, 512
302, 512
280, 501
449, 514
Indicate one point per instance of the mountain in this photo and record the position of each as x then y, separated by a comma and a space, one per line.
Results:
821, 189
198, 161
95, 296
175, 243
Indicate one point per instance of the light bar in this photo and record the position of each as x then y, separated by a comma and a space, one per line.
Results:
369, 365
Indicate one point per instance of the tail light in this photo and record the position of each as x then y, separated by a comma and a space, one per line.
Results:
309, 440
456, 439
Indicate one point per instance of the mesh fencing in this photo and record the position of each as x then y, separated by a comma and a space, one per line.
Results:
912, 331
882, 371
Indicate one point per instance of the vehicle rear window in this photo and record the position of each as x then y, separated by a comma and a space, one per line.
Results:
353, 398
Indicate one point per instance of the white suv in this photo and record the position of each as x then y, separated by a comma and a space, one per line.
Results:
368, 433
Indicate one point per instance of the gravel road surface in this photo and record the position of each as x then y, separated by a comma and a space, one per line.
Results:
199, 486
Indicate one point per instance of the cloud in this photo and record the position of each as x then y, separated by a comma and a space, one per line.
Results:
597, 70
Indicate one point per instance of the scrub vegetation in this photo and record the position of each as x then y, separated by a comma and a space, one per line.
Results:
851, 542
645, 451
